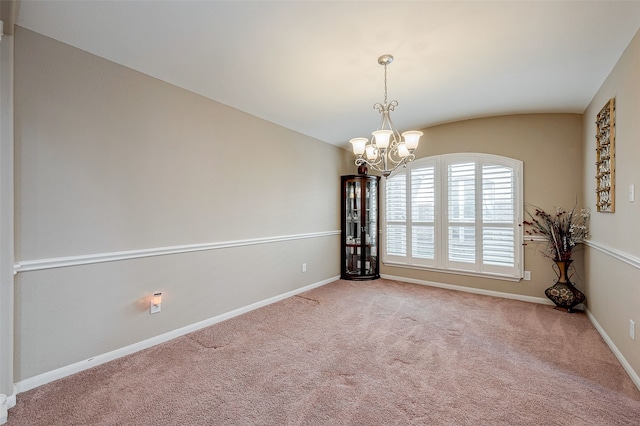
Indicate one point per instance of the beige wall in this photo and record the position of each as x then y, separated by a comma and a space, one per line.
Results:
550, 147
107, 160
612, 263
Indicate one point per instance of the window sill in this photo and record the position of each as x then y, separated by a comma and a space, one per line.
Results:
454, 271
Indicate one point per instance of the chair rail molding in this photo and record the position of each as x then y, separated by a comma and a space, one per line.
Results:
615, 253
60, 262
618, 254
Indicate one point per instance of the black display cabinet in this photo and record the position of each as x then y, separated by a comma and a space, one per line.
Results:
360, 219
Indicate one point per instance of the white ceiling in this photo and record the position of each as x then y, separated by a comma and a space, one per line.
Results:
312, 66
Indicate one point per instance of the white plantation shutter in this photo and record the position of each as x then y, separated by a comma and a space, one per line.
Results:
396, 240
456, 212
498, 215
396, 216
497, 246
461, 200
423, 198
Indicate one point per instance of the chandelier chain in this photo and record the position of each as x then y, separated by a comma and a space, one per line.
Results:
385, 84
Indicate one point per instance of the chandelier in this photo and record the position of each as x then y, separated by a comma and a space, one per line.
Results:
386, 151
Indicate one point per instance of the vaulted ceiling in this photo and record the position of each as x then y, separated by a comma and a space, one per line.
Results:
312, 66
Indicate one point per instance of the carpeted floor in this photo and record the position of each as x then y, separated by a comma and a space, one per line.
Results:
358, 353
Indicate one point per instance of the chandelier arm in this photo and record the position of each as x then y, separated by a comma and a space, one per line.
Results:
385, 120
385, 158
385, 171
397, 138
374, 164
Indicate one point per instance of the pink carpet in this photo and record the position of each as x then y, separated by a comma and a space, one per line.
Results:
358, 353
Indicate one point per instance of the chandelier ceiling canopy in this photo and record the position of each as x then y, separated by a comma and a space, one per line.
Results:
387, 149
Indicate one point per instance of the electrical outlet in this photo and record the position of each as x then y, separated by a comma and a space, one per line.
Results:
304, 267
527, 275
632, 330
632, 193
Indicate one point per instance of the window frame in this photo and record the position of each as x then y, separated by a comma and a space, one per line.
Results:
441, 262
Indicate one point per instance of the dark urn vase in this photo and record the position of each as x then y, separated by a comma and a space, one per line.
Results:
563, 293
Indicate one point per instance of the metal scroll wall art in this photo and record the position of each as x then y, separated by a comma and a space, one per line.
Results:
605, 157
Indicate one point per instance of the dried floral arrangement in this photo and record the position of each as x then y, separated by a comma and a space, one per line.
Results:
562, 231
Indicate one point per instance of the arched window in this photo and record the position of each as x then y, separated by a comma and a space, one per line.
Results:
456, 213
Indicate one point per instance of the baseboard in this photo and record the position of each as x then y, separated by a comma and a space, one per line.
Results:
6, 402
521, 297
3, 408
625, 364
41, 379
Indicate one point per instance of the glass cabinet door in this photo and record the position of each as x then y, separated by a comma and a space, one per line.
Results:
360, 227
371, 229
